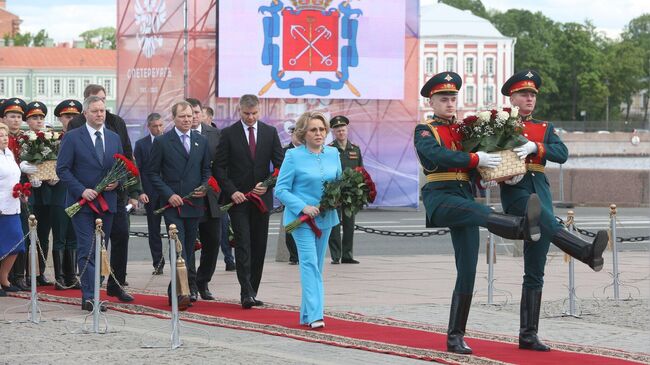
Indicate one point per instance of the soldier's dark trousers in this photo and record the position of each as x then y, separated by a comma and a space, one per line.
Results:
341, 246
210, 233
155, 240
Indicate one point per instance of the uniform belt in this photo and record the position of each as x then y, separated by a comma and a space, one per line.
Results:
535, 167
448, 176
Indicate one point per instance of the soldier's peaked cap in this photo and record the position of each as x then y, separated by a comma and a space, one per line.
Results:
522, 80
444, 82
35, 108
338, 121
69, 106
16, 105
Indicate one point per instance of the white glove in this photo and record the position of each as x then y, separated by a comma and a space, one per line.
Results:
28, 168
52, 182
489, 160
487, 184
36, 183
514, 180
525, 149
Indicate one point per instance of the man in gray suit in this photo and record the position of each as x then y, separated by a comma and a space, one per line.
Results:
209, 224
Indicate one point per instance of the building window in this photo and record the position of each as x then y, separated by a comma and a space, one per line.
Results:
20, 86
469, 65
72, 87
489, 66
40, 87
489, 95
430, 65
108, 86
56, 87
86, 83
450, 64
2, 86
469, 94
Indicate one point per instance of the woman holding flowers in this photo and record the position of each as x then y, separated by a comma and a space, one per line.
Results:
11, 234
299, 187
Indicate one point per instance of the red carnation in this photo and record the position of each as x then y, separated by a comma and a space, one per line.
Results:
276, 172
508, 110
40, 135
130, 166
16, 194
212, 182
27, 185
470, 119
17, 187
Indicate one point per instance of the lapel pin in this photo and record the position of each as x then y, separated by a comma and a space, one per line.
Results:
196, 144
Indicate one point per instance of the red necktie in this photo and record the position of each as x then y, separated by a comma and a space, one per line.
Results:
251, 140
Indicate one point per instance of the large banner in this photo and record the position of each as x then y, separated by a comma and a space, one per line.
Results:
312, 48
375, 55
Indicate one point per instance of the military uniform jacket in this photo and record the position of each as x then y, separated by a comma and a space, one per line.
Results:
350, 155
438, 147
549, 148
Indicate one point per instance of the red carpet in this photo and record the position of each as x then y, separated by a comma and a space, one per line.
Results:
357, 331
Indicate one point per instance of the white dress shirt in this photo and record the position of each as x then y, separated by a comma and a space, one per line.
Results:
9, 177
246, 130
93, 137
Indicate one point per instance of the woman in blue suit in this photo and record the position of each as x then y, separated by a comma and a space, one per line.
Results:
299, 187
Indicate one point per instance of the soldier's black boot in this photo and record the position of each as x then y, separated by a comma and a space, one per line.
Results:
515, 227
589, 253
70, 269
57, 260
531, 301
19, 272
458, 313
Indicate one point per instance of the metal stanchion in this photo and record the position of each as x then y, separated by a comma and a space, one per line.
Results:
35, 311
98, 262
175, 336
572, 286
612, 240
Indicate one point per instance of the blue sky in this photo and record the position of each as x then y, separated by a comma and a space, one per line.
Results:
66, 19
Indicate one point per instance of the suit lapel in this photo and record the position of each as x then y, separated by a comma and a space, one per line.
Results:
177, 144
85, 137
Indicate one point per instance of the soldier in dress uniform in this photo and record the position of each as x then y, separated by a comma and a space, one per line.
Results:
64, 240
449, 202
12, 110
543, 145
41, 198
350, 154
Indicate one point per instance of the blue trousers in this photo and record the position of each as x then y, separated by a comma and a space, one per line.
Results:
311, 251
84, 227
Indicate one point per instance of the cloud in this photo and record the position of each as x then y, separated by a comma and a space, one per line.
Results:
64, 23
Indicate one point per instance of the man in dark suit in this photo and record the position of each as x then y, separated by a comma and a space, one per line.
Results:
245, 152
142, 154
85, 157
180, 163
120, 230
210, 224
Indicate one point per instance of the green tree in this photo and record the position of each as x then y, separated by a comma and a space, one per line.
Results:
475, 6
624, 73
27, 39
95, 37
638, 32
536, 48
39, 39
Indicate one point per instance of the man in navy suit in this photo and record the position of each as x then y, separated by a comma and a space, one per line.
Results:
142, 153
180, 163
245, 152
85, 157
210, 223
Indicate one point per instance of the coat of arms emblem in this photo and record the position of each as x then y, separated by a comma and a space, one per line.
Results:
310, 37
150, 15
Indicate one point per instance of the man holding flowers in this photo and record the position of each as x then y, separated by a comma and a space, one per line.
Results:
86, 156
179, 165
542, 144
449, 201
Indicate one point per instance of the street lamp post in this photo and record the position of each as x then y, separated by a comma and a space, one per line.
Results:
607, 106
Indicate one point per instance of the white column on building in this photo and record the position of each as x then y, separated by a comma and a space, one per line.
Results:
509, 51
441, 56
480, 71
460, 69
499, 67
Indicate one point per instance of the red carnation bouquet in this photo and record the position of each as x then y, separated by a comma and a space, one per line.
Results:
211, 184
268, 183
123, 170
351, 192
23, 191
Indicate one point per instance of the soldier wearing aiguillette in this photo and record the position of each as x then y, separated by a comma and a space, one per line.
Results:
543, 145
448, 199
64, 240
350, 154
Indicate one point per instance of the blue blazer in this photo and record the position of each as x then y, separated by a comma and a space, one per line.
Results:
79, 168
142, 153
173, 171
300, 182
